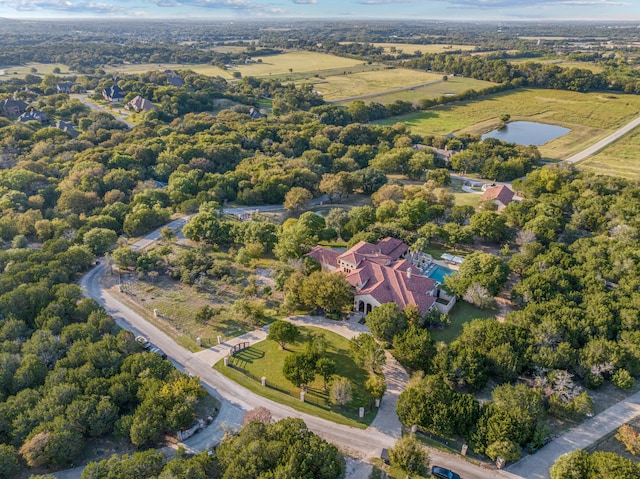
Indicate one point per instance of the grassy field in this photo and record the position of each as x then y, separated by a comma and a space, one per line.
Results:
452, 86
413, 47
294, 62
267, 359
202, 68
344, 86
461, 313
622, 158
561, 63
590, 116
24, 70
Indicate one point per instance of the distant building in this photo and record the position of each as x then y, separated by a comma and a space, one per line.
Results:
68, 127
175, 80
113, 94
255, 113
443, 154
139, 104
500, 195
64, 87
12, 107
33, 115
381, 274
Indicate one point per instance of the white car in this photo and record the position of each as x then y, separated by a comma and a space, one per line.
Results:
142, 341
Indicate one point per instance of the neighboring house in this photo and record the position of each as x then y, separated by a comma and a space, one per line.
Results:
33, 115
64, 87
500, 195
255, 113
114, 94
443, 154
12, 107
175, 80
68, 127
139, 104
381, 273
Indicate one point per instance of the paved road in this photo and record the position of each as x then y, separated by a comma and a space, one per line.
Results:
593, 149
253, 209
363, 443
580, 437
85, 99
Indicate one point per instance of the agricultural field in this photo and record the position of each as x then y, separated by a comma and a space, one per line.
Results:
266, 358
294, 62
413, 47
590, 116
347, 86
202, 68
621, 158
24, 70
561, 63
452, 86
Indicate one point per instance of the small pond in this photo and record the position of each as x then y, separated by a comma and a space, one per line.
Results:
527, 133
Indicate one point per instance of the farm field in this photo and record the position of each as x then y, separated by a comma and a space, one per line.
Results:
561, 63
621, 158
412, 47
267, 359
24, 70
203, 68
590, 116
452, 86
345, 86
294, 62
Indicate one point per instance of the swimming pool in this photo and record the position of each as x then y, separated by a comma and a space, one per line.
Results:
439, 272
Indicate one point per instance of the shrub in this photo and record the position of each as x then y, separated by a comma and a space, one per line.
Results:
623, 379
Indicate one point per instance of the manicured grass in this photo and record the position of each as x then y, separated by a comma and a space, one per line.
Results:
296, 61
452, 86
344, 86
267, 359
24, 70
461, 313
622, 158
590, 116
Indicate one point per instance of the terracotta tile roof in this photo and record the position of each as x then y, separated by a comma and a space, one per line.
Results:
386, 284
499, 193
325, 256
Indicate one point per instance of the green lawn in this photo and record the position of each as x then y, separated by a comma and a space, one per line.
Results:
267, 359
24, 70
294, 62
461, 313
590, 116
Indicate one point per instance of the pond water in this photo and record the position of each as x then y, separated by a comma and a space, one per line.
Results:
527, 133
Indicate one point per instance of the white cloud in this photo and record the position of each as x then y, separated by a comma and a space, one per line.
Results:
63, 6
305, 2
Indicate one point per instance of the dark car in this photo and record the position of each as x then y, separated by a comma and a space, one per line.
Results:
159, 351
442, 473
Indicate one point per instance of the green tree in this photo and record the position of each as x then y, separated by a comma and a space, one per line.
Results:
386, 321
376, 386
283, 332
329, 292
367, 352
414, 348
99, 240
9, 463
326, 368
297, 199
489, 225
300, 369
440, 177
484, 269
410, 455
573, 465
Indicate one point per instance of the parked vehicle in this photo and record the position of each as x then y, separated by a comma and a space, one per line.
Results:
158, 351
442, 473
144, 342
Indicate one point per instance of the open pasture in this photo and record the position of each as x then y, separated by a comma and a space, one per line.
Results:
24, 70
590, 116
364, 83
452, 86
622, 158
595, 68
294, 62
202, 68
413, 47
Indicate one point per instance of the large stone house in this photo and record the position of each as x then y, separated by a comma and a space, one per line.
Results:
139, 104
114, 94
12, 107
383, 273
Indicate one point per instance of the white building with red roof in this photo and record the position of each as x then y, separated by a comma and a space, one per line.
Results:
381, 274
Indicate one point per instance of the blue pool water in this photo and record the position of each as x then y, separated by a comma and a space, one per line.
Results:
439, 272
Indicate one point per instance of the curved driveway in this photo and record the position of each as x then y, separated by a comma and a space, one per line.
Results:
596, 147
363, 443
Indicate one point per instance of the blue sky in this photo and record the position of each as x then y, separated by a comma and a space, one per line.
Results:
564, 10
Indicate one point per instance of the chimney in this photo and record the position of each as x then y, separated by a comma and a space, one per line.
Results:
409, 273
